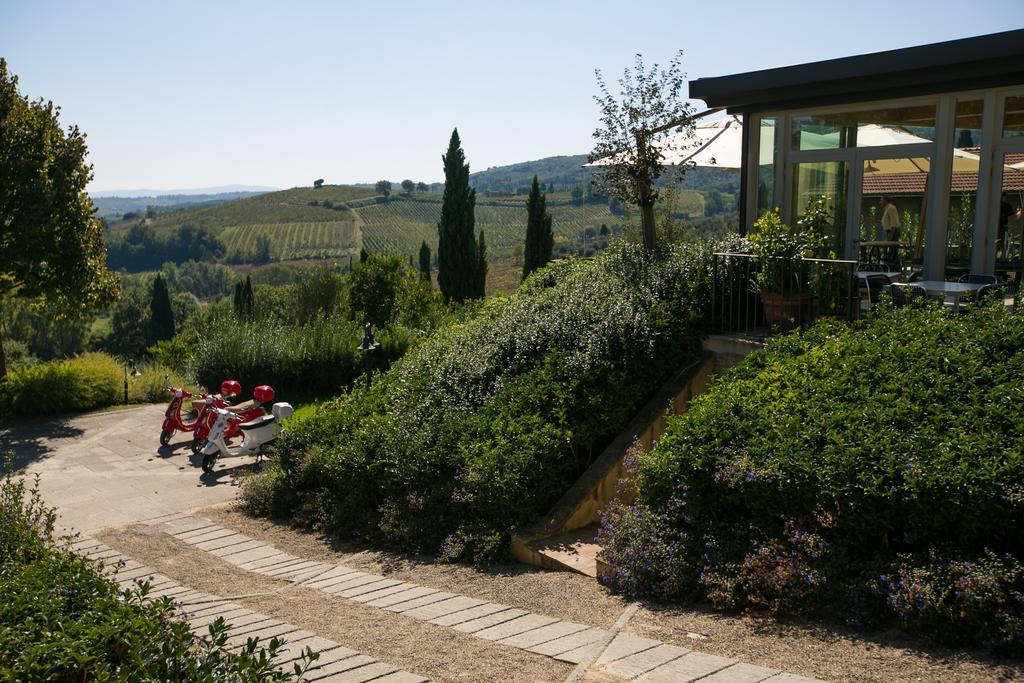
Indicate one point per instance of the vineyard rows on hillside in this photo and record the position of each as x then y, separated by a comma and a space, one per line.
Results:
400, 226
294, 240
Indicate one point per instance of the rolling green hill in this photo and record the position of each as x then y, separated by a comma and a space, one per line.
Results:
402, 224
286, 206
337, 220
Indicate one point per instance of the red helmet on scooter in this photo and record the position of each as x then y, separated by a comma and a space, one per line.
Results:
263, 393
230, 387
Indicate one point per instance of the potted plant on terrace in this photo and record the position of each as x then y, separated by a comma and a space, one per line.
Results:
782, 277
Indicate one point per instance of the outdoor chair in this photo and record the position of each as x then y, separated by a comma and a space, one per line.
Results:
902, 295
876, 285
916, 276
976, 279
989, 293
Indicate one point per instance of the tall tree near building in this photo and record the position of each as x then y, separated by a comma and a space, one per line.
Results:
425, 262
457, 252
161, 317
51, 244
481, 267
648, 120
539, 238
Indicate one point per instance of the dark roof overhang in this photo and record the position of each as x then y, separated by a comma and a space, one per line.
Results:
966, 64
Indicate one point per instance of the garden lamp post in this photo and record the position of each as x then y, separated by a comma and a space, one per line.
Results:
366, 346
135, 373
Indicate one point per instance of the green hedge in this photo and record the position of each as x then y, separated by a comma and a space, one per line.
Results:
874, 472
299, 361
485, 424
90, 381
62, 620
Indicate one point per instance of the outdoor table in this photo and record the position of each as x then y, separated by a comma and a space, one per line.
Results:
942, 289
893, 275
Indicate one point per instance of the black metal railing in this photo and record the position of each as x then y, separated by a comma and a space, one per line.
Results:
810, 289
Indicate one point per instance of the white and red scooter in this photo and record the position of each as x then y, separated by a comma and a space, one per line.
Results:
257, 433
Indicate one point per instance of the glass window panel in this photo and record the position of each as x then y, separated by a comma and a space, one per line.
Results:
1010, 232
963, 191
1013, 117
874, 128
826, 180
893, 211
766, 166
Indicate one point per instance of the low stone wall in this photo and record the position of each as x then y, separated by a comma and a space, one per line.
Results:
583, 502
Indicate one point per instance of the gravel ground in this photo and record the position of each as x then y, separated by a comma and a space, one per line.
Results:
441, 654
813, 649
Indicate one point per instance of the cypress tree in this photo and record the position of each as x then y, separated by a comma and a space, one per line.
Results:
425, 262
481, 267
363, 255
238, 299
161, 315
539, 238
457, 254
248, 303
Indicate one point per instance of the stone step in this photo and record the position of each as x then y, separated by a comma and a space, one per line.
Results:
575, 551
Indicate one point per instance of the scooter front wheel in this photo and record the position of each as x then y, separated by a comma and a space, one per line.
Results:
165, 437
197, 445
208, 462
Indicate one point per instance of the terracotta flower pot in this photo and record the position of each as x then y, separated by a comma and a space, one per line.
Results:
786, 311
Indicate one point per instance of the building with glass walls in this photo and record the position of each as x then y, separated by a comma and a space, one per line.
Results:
938, 130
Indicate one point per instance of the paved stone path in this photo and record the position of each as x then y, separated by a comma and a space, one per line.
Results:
336, 664
626, 656
107, 469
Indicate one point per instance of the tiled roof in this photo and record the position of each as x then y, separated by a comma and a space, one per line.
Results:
914, 183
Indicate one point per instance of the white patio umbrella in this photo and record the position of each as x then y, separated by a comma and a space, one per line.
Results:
718, 144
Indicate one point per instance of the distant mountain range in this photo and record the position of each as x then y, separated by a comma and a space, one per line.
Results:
221, 189
118, 207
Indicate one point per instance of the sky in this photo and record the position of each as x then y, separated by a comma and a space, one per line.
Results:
198, 94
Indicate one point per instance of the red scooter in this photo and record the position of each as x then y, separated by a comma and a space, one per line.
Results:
173, 420
246, 411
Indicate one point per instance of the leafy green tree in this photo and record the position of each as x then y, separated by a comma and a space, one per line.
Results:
425, 262
422, 187
481, 267
318, 183
161, 322
262, 249
408, 186
42, 336
363, 255
51, 244
539, 238
384, 188
374, 289
129, 324
457, 254
318, 295
648, 119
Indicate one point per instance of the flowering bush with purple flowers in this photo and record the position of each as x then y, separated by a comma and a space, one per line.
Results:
871, 472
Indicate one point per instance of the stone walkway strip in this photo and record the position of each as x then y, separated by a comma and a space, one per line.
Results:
336, 664
626, 656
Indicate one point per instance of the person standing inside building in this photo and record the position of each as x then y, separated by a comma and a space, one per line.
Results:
891, 225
